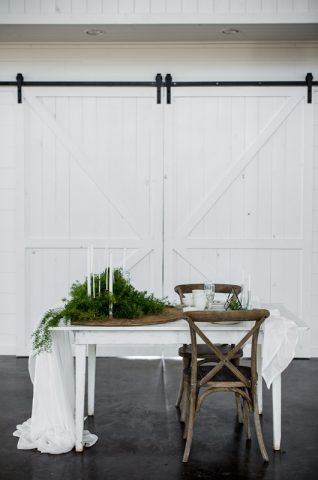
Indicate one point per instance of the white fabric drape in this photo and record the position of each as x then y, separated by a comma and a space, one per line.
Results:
279, 345
51, 428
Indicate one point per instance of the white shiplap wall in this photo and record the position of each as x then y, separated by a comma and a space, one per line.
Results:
135, 62
7, 231
152, 8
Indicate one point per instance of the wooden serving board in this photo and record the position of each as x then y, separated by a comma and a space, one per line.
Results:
170, 314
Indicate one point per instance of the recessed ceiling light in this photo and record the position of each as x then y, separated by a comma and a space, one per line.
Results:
230, 31
94, 32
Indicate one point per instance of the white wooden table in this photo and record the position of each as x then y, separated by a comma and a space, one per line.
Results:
175, 333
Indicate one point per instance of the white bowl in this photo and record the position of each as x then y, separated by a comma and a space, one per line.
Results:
187, 301
199, 303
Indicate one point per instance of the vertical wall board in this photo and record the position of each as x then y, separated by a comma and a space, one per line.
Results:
221, 6
294, 174
158, 6
48, 7
79, 6
286, 283
142, 6
62, 173
49, 182
285, 6
32, 6
17, 6
33, 174
125, 7
63, 6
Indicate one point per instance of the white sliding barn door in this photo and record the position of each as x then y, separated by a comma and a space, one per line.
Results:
221, 174
237, 190
93, 176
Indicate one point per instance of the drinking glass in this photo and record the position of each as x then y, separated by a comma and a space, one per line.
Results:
209, 289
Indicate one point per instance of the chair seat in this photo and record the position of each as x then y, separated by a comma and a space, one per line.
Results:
205, 352
224, 375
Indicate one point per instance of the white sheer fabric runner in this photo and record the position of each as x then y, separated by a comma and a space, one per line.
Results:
280, 340
51, 428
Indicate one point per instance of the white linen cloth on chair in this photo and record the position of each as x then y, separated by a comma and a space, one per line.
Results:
51, 428
279, 344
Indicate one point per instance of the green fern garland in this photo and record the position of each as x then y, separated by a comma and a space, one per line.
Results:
127, 302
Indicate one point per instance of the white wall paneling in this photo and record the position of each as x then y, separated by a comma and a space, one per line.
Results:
58, 8
8, 303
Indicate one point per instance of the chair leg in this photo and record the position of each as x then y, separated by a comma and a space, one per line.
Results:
190, 424
246, 417
186, 427
258, 429
180, 393
185, 401
185, 364
186, 416
239, 411
239, 408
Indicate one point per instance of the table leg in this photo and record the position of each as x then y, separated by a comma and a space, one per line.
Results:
80, 364
260, 379
91, 378
277, 408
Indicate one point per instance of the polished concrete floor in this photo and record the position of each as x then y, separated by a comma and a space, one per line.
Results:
140, 437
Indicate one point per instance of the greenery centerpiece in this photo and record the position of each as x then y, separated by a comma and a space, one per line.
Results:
124, 301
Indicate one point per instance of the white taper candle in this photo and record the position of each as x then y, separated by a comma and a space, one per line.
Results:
124, 259
110, 282
88, 264
106, 267
92, 269
110, 273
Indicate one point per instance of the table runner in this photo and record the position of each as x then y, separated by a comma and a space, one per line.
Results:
280, 340
51, 428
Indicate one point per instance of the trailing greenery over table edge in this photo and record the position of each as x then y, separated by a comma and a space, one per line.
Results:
126, 301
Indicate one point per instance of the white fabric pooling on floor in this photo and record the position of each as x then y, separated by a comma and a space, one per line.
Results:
51, 428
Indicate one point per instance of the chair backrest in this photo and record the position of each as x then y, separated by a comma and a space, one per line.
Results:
219, 288
257, 316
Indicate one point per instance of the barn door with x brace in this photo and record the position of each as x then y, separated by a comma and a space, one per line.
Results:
238, 190
92, 176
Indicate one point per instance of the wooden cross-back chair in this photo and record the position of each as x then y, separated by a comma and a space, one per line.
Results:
203, 352
224, 375
219, 288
